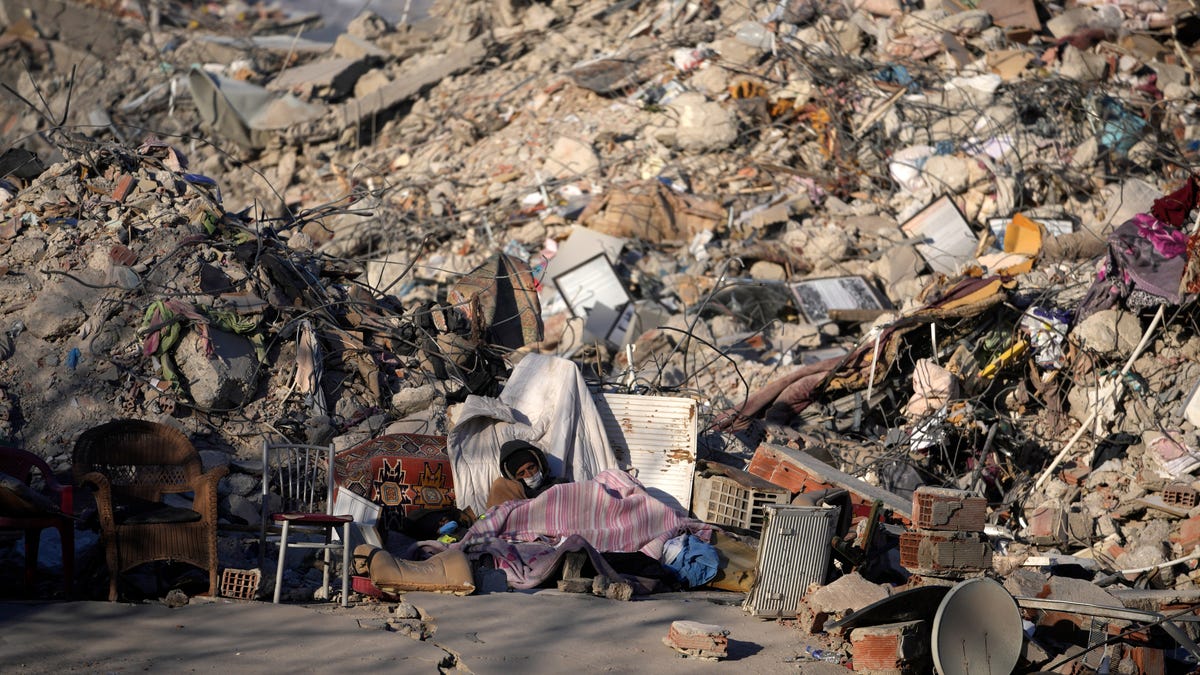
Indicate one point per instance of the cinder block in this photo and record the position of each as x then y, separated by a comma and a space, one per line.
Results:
891, 649
945, 509
934, 553
1180, 495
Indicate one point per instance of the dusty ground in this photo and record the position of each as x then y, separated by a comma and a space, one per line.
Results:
556, 633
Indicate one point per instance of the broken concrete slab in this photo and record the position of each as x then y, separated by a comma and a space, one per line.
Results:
409, 82
221, 370
64, 304
328, 79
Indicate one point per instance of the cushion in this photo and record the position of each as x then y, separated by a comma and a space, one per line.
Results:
133, 511
18, 500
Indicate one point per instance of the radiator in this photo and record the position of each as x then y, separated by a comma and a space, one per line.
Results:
793, 553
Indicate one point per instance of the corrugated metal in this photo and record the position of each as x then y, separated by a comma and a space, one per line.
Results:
657, 436
794, 552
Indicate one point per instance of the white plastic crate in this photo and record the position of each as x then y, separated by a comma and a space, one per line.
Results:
723, 500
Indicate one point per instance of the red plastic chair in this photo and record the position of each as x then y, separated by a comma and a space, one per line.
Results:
20, 464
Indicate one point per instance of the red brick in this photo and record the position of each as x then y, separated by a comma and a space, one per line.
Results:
891, 649
1149, 661
945, 509
1075, 476
1188, 535
935, 553
124, 185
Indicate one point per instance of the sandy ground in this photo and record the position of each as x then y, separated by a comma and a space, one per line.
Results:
519, 632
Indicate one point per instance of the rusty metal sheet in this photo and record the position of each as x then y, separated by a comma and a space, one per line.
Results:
656, 436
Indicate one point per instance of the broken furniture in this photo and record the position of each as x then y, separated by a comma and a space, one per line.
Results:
298, 496
131, 464
31, 511
656, 436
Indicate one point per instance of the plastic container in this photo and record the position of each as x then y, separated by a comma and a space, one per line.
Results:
721, 500
240, 584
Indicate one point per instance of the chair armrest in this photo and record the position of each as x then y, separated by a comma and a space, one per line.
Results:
65, 493
104, 500
204, 487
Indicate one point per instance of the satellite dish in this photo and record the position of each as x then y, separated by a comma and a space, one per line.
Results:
977, 630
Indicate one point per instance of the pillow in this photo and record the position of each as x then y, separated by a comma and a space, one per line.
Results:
130, 510
18, 500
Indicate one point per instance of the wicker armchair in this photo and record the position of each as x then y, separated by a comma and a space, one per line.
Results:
131, 464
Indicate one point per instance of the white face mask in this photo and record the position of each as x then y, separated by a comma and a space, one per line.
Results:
533, 481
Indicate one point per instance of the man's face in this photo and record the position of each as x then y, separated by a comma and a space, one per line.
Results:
527, 470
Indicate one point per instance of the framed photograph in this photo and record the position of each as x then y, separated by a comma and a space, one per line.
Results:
949, 240
815, 298
594, 281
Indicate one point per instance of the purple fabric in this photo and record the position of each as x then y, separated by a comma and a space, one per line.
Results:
1168, 241
529, 564
1134, 273
611, 513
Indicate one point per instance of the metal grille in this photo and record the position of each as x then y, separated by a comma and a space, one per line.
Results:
794, 553
1097, 634
240, 584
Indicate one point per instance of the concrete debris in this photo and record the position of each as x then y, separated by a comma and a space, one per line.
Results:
840, 597
701, 640
929, 265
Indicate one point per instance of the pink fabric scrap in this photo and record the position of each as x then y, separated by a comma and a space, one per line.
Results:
1168, 241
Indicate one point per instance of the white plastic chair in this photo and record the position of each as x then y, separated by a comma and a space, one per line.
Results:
297, 495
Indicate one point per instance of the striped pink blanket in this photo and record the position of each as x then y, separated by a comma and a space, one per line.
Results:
612, 512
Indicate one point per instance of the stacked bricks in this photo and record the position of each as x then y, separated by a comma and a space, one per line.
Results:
947, 536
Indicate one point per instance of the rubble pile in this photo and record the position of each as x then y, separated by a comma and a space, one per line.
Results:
946, 251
